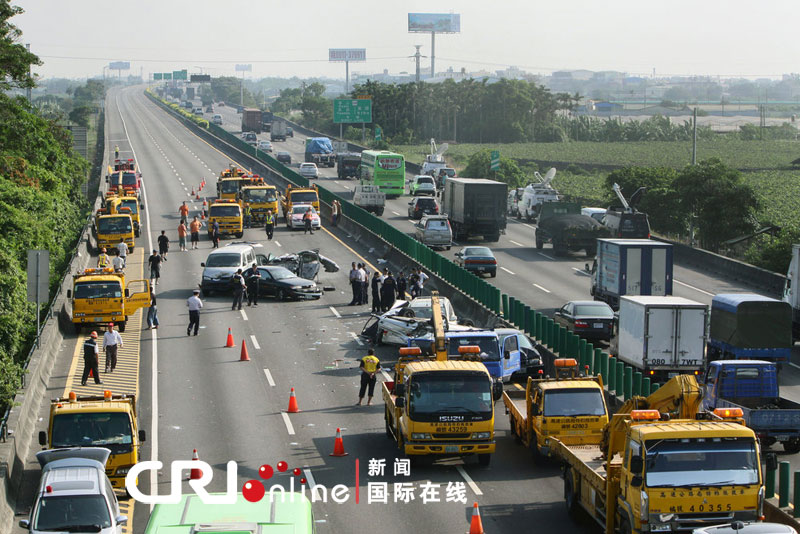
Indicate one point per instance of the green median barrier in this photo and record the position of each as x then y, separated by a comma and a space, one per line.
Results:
520, 315
512, 308
620, 378
582, 354
597, 368
612, 375
654, 387
783, 484
646, 386
531, 315
769, 483
627, 385
563, 342
637, 383
553, 334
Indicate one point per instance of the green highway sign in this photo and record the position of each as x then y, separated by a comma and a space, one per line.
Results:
167, 75
378, 133
180, 74
351, 111
495, 160
156, 75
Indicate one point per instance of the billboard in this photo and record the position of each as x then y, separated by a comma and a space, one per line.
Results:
244, 68
347, 54
434, 22
120, 65
200, 78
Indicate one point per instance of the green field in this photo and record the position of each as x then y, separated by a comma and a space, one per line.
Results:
733, 152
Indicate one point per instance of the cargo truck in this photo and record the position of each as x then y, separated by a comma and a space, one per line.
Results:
347, 165
563, 225
319, 150
661, 336
791, 292
266, 120
278, 131
370, 198
630, 267
251, 120
106, 420
749, 326
752, 386
475, 207
101, 296
653, 473
569, 407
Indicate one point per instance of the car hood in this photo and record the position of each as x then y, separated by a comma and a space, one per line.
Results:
219, 273
296, 281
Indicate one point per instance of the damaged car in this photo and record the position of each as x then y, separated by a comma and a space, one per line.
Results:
305, 264
406, 320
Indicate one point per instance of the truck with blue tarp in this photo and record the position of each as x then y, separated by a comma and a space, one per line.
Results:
749, 326
319, 150
752, 386
630, 267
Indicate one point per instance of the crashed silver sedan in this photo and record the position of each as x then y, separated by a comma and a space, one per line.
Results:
409, 320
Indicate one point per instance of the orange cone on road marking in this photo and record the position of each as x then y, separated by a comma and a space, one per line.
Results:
338, 445
196, 472
229, 343
244, 357
293, 408
475, 525
192, 193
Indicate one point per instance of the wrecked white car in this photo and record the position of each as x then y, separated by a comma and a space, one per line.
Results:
409, 320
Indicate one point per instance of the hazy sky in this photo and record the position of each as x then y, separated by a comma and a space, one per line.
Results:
77, 38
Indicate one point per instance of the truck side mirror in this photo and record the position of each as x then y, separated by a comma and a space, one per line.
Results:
400, 402
772, 461
636, 481
43, 441
142, 436
69, 293
400, 390
127, 293
637, 464
202, 264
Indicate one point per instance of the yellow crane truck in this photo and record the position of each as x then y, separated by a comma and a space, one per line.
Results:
654, 473
110, 229
101, 296
126, 205
228, 214
299, 195
260, 198
569, 407
97, 421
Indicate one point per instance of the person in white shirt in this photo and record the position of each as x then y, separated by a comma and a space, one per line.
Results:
364, 279
422, 278
118, 263
111, 342
122, 252
195, 304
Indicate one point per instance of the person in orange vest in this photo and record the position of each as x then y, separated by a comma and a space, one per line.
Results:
182, 231
307, 218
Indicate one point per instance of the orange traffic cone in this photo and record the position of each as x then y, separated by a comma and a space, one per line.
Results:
197, 195
229, 343
192, 193
475, 525
196, 472
244, 357
338, 445
293, 408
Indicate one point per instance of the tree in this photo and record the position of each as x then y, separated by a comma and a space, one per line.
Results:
15, 60
80, 115
479, 166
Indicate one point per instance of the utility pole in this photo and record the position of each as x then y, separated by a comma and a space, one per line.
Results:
417, 56
433, 54
241, 92
694, 137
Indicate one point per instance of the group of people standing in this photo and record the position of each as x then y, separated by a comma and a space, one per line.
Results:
246, 284
112, 342
386, 288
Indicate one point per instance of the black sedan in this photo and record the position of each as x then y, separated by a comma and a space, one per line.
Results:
281, 283
478, 260
284, 157
588, 319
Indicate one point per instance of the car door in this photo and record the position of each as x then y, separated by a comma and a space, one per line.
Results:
563, 316
510, 357
266, 287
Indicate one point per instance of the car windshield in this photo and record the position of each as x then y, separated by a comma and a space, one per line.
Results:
72, 513
132, 204
302, 209
573, 402
260, 195
701, 462
445, 393
600, 311
477, 251
114, 225
101, 429
308, 166
230, 210
128, 178
229, 186
223, 260
437, 224
281, 273
424, 180
98, 290
449, 172
426, 202
490, 349
422, 308
306, 196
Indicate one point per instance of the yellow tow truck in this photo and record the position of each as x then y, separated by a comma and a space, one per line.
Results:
97, 421
129, 205
102, 295
260, 198
440, 407
299, 195
569, 407
228, 214
655, 473
232, 180
110, 229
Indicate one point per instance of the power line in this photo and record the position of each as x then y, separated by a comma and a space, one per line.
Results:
262, 61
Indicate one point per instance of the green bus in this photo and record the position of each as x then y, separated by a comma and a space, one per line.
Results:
384, 169
290, 512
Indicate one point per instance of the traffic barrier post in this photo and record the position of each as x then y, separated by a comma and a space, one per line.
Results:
612, 374
637, 383
769, 483
783, 484
796, 495
505, 306
628, 383
646, 386
582, 353
620, 378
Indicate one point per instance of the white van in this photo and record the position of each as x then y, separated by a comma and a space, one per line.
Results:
595, 213
217, 119
533, 197
222, 263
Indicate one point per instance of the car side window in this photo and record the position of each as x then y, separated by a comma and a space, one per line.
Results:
566, 310
265, 274
511, 344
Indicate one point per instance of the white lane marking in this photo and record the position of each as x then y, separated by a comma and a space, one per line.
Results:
471, 483
506, 270
288, 423
309, 477
336, 313
695, 288
581, 271
386, 376
794, 365
518, 244
278, 243
269, 377
546, 256
543, 289
396, 213
255, 342
354, 336
244, 315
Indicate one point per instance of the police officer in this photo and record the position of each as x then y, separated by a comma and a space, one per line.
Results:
252, 277
239, 288
270, 224
91, 359
369, 366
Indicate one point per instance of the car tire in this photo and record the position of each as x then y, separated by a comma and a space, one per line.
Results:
570, 498
539, 244
792, 446
280, 295
493, 274
121, 325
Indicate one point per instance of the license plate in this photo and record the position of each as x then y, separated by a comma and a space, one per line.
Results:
451, 448
98, 319
598, 325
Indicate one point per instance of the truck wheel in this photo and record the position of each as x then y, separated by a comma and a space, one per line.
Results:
792, 446
240, 235
539, 244
205, 292
484, 459
121, 325
570, 498
77, 328
625, 526
493, 238
379, 212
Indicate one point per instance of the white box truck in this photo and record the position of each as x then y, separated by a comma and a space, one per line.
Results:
661, 336
791, 293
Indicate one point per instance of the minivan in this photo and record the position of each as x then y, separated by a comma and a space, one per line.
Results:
222, 263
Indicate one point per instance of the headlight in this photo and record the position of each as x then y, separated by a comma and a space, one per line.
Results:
644, 511
481, 435
206, 277
420, 436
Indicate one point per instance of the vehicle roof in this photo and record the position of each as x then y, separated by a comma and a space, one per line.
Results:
585, 302
234, 247
474, 180
449, 365
669, 300
479, 246
72, 476
569, 384
741, 362
308, 164
685, 428
732, 300
750, 528
594, 210
435, 217
92, 406
259, 186
289, 515
112, 215
637, 242
473, 333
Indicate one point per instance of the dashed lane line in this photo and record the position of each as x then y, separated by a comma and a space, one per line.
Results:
270, 381
507, 270
358, 339
471, 483
542, 288
255, 342
695, 288
335, 312
581, 271
244, 315
309, 477
288, 422
518, 244
546, 256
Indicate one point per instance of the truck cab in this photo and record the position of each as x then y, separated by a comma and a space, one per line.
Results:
260, 198
111, 229
101, 296
299, 195
117, 205
228, 215
130, 181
